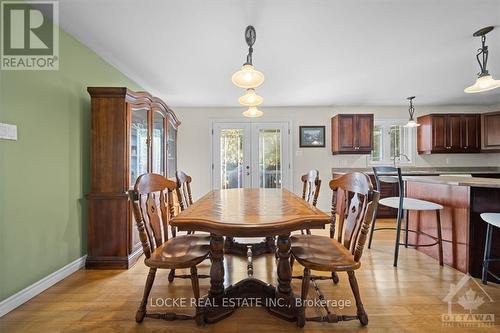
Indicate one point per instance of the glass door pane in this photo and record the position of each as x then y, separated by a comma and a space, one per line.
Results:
269, 158
231, 157
158, 144
138, 144
250, 155
270, 155
171, 151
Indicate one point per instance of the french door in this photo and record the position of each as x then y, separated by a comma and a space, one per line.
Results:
250, 155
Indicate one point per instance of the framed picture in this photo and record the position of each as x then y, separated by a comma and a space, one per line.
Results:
311, 136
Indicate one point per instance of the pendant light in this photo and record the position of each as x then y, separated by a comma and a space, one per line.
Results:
248, 76
253, 112
485, 81
411, 110
250, 98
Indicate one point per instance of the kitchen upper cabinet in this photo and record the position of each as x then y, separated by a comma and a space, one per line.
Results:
471, 129
448, 133
352, 134
490, 125
454, 132
435, 134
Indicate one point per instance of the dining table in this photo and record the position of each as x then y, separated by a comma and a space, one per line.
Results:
250, 212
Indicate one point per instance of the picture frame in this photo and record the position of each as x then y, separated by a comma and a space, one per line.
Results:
312, 136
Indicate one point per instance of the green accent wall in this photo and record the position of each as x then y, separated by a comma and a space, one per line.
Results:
44, 176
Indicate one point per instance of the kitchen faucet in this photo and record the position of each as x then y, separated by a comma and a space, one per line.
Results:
398, 157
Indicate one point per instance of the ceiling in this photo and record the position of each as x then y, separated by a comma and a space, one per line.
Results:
313, 52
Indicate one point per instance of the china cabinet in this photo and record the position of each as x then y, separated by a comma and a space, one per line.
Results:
131, 133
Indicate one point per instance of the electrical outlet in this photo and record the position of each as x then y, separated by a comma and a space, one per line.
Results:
8, 132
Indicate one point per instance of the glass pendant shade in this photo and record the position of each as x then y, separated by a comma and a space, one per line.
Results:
483, 83
411, 123
247, 77
250, 98
253, 112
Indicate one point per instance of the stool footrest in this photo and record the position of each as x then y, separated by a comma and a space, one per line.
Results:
494, 275
419, 245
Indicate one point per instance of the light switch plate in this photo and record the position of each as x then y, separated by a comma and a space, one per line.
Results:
8, 132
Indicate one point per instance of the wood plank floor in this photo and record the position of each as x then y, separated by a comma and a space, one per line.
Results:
404, 299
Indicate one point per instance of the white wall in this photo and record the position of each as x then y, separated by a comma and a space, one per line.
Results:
195, 141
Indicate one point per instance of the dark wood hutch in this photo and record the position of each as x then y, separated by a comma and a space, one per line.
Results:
131, 133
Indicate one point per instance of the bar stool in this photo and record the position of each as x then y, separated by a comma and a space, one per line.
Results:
493, 219
392, 175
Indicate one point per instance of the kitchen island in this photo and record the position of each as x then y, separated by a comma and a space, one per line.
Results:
464, 232
390, 190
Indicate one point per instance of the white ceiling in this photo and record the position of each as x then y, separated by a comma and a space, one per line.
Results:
313, 52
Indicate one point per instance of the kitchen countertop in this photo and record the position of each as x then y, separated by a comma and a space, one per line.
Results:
428, 170
456, 180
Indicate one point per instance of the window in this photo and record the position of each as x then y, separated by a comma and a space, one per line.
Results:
392, 142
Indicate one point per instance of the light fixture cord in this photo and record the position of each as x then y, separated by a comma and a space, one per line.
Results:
484, 52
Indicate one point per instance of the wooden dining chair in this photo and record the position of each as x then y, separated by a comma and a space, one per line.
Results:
310, 189
310, 186
327, 254
183, 189
152, 205
184, 199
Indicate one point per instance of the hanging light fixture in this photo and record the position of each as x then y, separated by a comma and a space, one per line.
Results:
485, 81
253, 112
250, 98
248, 76
411, 110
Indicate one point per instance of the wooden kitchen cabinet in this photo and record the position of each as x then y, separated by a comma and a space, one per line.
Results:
490, 128
449, 133
352, 134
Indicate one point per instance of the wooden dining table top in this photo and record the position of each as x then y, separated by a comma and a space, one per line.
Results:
250, 213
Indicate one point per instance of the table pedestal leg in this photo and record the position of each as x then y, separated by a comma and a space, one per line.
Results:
285, 298
279, 300
214, 310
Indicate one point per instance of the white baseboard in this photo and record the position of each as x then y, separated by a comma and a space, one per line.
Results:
36, 288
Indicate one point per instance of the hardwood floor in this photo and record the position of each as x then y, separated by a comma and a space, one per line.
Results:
407, 298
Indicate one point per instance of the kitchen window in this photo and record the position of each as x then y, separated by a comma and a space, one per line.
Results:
392, 143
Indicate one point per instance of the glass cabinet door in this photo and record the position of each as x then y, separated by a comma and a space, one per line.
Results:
171, 151
158, 144
138, 144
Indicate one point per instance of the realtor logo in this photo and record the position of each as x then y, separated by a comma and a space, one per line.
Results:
469, 294
30, 35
